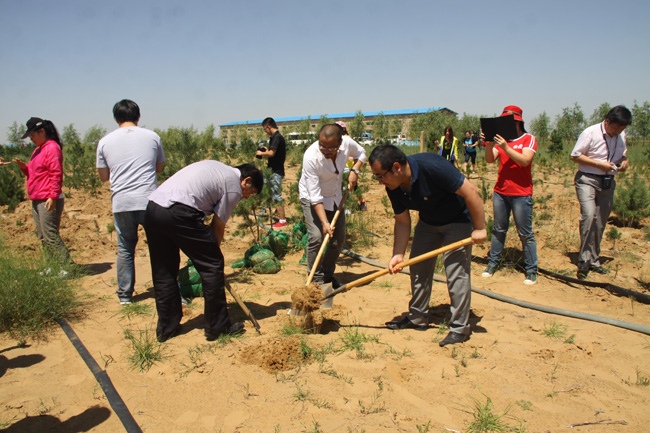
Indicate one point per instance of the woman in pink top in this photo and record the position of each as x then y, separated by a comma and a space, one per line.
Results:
44, 173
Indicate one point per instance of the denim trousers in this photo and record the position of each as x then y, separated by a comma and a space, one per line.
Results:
47, 229
522, 211
126, 227
595, 206
458, 266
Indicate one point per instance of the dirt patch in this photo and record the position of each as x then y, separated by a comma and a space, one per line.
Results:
307, 298
276, 354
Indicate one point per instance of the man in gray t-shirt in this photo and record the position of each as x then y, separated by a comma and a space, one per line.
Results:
174, 222
129, 157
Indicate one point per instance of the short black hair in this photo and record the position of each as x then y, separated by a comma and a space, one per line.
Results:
387, 155
330, 130
269, 122
619, 115
126, 111
249, 170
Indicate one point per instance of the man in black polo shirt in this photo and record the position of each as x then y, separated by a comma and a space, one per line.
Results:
276, 153
450, 210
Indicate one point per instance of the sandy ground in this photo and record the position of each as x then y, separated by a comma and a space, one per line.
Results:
397, 381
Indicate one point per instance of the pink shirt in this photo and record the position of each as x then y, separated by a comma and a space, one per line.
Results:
45, 172
515, 180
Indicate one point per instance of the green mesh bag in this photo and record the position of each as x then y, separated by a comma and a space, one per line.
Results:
270, 266
278, 243
251, 251
240, 263
188, 274
264, 262
191, 291
303, 245
298, 231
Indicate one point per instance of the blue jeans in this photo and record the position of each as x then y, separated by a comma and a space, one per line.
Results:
522, 211
126, 226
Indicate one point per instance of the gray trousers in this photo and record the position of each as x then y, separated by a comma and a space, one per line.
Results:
47, 229
458, 266
325, 270
595, 206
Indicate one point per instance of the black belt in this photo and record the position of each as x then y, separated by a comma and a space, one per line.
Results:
595, 175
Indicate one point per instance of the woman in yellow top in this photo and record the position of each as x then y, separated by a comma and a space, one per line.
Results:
448, 146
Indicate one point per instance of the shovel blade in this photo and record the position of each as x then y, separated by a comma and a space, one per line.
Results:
328, 303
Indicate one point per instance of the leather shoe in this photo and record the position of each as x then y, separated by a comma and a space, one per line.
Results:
405, 323
335, 284
174, 333
453, 338
234, 329
599, 270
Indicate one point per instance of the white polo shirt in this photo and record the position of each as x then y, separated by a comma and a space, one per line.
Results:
320, 183
596, 144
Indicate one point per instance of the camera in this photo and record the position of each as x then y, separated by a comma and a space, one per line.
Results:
261, 149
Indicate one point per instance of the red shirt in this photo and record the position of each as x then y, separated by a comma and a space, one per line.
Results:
514, 179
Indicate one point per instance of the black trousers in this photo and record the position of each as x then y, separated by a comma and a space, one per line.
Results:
170, 230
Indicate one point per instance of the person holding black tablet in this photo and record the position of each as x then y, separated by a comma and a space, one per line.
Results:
513, 193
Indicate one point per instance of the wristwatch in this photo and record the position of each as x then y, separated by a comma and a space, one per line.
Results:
356, 170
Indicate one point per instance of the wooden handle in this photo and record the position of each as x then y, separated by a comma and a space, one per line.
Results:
409, 262
327, 238
243, 307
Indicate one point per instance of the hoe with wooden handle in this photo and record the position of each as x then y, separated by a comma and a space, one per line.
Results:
409, 262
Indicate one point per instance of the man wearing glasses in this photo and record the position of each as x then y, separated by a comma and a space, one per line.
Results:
320, 195
450, 210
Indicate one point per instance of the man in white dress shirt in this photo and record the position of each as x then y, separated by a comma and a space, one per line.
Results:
600, 152
320, 195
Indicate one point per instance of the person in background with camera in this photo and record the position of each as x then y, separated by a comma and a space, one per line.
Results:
601, 152
44, 173
513, 193
276, 153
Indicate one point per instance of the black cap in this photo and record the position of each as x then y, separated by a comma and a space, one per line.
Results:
33, 124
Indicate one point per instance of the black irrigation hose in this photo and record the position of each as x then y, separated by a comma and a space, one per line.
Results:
641, 297
559, 311
114, 399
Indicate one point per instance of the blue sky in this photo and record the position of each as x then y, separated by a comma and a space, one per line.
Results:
200, 62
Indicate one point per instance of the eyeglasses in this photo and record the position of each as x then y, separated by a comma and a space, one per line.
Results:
381, 176
328, 149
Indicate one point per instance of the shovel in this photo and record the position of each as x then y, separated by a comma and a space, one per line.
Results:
323, 246
243, 307
327, 236
409, 262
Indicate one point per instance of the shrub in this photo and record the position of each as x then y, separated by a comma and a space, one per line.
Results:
632, 200
31, 298
11, 188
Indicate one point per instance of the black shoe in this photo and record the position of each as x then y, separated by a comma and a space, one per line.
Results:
405, 323
599, 270
335, 284
453, 338
582, 274
234, 329
174, 333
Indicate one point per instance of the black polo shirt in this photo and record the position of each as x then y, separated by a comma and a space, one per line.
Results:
434, 183
276, 162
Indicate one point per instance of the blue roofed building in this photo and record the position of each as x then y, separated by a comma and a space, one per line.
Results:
233, 131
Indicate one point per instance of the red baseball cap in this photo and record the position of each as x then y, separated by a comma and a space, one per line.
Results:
341, 124
514, 111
